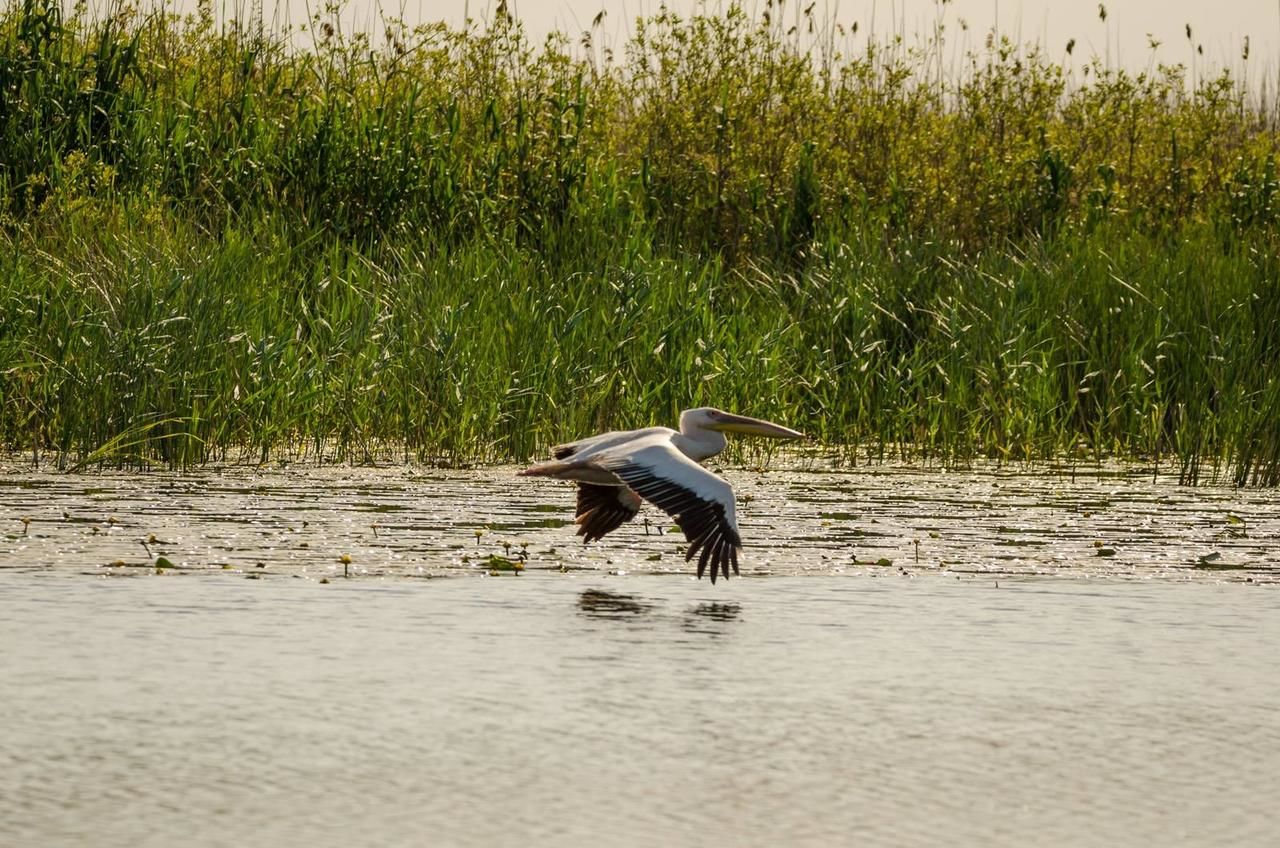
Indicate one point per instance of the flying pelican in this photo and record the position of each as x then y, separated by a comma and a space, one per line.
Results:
615, 470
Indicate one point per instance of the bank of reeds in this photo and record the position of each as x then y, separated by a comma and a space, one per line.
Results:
471, 246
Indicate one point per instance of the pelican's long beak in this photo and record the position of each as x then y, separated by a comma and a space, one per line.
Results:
729, 423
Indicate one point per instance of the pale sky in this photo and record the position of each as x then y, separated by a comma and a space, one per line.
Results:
1219, 25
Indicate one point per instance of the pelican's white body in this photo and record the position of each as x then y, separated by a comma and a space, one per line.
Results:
662, 464
582, 463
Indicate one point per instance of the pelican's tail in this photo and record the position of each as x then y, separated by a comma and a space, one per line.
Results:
552, 468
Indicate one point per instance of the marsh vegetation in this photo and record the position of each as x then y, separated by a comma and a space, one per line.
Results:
217, 237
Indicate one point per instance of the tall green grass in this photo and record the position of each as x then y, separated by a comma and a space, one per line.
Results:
469, 246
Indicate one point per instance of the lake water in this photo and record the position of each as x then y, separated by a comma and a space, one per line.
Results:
394, 522
1015, 685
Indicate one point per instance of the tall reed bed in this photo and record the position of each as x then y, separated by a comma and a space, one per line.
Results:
471, 246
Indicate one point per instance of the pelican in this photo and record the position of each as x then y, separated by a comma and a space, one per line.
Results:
615, 470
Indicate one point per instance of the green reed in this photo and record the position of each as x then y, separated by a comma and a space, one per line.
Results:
462, 244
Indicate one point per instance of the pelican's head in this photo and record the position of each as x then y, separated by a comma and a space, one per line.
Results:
710, 418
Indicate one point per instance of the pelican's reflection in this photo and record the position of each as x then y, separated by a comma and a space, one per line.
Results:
710, 617
597, 603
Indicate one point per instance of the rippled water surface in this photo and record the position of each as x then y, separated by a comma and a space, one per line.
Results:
1067, 662
409, 522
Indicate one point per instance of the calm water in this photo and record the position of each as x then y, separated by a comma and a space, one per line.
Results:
1012, 687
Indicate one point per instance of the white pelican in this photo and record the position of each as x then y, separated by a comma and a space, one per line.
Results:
615, 470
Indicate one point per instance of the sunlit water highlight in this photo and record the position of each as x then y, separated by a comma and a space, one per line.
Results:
959, 700
414, 522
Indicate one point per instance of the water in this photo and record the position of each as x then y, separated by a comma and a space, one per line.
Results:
1010, 688
397, 522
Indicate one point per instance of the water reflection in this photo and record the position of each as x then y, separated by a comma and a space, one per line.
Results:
710, 617
961, 710
597, 603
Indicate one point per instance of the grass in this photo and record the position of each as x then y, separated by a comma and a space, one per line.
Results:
212, 240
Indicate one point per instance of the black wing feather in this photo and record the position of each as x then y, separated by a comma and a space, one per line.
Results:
603, 509
711, 537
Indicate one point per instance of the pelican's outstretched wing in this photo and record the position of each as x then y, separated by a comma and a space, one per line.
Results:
603, 509
699, 501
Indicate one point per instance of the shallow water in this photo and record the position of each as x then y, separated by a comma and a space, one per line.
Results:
1012, 687
410, 522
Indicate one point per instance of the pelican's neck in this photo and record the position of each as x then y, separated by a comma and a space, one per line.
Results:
698, 443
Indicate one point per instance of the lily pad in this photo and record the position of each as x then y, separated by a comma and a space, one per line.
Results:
498, 564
